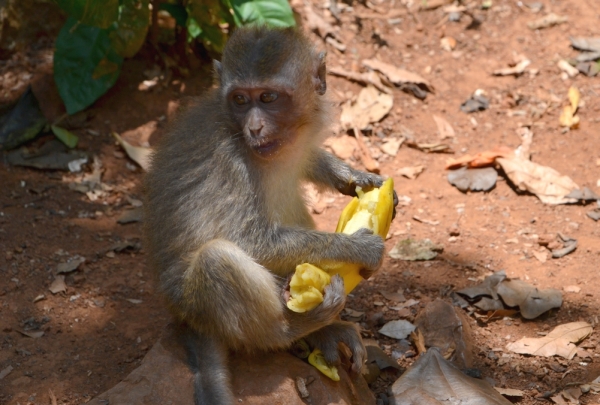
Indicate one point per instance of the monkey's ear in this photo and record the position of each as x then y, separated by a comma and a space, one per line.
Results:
321, 73
218, 68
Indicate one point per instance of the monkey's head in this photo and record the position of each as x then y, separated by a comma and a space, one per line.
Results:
271, 80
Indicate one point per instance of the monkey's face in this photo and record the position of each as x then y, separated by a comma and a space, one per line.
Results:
266, 117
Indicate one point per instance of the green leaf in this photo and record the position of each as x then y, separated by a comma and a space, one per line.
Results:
204, 17
273, 13
177, 11
132, 27
85, 64
66, 137
97, 13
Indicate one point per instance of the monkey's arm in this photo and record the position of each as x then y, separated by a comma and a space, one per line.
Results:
329, 171
289, 246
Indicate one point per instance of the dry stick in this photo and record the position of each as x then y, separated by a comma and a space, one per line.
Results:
365, 155
52, 397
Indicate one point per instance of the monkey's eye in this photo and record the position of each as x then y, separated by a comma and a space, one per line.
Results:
239, 99
268, 97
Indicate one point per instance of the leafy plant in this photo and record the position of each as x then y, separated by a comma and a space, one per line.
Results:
99, 34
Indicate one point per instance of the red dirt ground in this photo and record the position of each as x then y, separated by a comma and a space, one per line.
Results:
93, 336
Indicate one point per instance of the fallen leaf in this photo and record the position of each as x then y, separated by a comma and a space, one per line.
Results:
409, 303
365, 153
567, 68
138, 154
431, 4
5, 371
364, 78
531, 301
445, 130
379, 357
425, 221
129, 216
342, 146
391, 145
585, 195
568, 117
33, 335
409, 249
547, 21
66, 137
53, 155
448, 43
58, 285
465, 179
393, 296
399, 329
370, 106
411, 172
481, 159
559, 342
542, 256
432, 380
477, 102
436, 147
134, 301
591, 44
546, 183
516, 70
509, 392
488, 286
70, 265
396, 75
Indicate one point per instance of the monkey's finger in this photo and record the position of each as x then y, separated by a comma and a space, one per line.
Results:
331, 354
334, 293
395, 204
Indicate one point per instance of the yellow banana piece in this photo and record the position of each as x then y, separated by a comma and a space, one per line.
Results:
317, 360
306, 287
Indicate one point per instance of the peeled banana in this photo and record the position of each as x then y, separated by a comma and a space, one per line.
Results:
317, 360
372, 210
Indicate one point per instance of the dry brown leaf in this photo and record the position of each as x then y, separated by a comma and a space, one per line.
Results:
448, 43
342, 146
481, 159
370, 106
547, 21
58, 285
396, 75
566, 67
431, 4
411, 172
138, 154
559, 342
316, 23
546, 183
509, 392
392, 146
568, 117
433, 380
365, 154
364, 78
516, 70
444, 128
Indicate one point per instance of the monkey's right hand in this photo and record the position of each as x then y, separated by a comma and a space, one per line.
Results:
371, 248
334, 299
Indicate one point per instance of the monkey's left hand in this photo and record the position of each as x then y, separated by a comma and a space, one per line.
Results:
366, 181
327, 339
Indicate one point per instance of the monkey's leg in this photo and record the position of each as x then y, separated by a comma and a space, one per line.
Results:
327, 339
226, 294
207, 359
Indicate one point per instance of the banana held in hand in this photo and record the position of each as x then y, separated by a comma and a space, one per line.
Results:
372, 210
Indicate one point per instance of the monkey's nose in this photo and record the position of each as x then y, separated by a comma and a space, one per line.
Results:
255, 131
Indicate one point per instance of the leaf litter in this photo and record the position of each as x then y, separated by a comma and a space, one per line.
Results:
496, 292
559, 342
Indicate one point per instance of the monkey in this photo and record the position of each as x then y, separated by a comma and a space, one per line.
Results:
225, 218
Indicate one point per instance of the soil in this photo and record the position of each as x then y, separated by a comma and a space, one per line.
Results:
99, 330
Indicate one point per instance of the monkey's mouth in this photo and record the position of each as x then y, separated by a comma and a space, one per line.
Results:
267, 148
